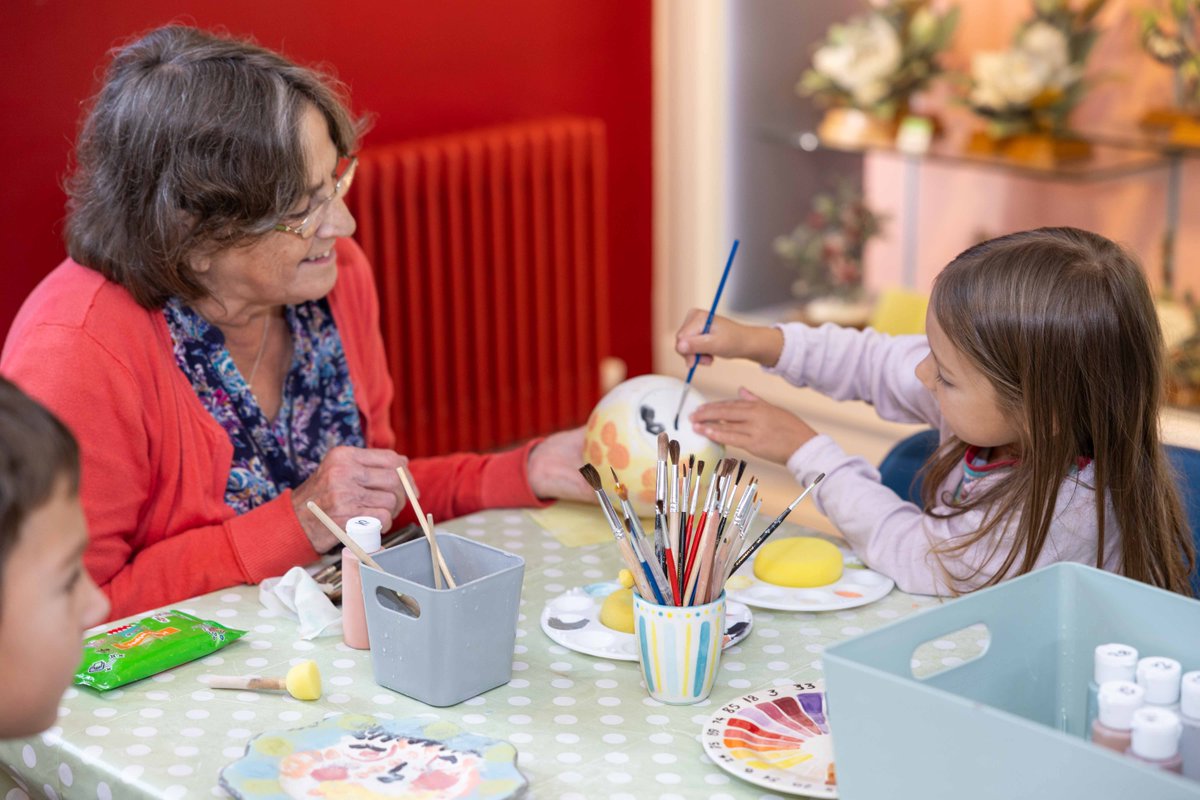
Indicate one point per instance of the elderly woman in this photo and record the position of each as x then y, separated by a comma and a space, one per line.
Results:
213, 340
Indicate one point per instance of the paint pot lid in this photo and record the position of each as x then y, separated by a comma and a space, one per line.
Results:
1117, 700
367, 532
1115, 662
1159, 676
1189, 695
1156, 733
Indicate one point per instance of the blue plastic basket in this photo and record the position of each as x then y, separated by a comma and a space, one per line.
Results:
1008, 724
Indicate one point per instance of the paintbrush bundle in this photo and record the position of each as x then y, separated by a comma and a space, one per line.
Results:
698, 533
691, 555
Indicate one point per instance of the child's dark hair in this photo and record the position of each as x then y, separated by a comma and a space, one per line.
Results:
36, 451
1062, 324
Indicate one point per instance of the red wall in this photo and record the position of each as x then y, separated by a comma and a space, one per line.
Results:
421, 66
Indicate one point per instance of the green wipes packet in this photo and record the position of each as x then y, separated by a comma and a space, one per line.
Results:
149, 646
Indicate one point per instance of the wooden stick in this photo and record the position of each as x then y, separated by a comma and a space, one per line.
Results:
702, 572
363, 555
303, 681
342, 536
441, 558
435, 555
254, 682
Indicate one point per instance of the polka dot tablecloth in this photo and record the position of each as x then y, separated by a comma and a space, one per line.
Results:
583, 726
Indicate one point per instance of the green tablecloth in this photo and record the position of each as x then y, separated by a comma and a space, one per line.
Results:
583, 726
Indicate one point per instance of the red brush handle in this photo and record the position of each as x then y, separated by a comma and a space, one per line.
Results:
673, 574
694, 541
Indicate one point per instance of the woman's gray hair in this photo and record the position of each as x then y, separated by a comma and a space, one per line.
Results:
194, 141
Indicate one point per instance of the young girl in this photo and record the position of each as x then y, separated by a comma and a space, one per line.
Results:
1042, 368
47, 598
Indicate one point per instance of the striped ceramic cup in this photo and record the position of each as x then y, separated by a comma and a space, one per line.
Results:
679, 648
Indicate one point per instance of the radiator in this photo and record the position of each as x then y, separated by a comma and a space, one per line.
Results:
490, 254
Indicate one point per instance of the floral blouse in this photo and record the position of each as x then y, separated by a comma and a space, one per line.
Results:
318, 411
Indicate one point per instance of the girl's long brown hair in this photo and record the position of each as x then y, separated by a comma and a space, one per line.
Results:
1062, 324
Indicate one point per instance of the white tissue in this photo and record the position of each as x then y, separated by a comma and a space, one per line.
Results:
297, 595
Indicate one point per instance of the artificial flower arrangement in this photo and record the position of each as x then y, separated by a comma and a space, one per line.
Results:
1032, 87
1171, 38
875, 62
827, 248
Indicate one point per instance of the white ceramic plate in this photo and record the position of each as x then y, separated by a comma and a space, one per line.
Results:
777, 738
857, 587
573, 620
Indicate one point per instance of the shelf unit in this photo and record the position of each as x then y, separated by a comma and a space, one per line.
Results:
1110, 160
854, 425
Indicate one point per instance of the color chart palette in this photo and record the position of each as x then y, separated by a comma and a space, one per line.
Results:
777, 738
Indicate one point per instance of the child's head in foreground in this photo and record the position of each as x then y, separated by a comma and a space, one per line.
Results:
47, 598
1057, 343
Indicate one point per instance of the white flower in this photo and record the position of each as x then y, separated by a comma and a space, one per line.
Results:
1013, 78
861, 58
1005, 80
1047, 46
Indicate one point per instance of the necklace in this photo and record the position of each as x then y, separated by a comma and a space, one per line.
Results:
262, 348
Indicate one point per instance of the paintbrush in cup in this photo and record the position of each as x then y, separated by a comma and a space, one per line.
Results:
687, 384
674, 553
654, 574
632, 563
762, 537
695, 496
363, 555
435, 553
694, 536
730, 539
660, 499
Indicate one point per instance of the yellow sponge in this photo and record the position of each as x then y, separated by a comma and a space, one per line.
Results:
801, 562
617, 611
304, 681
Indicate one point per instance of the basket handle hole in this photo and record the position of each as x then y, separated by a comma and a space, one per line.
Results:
950, 651
402, 604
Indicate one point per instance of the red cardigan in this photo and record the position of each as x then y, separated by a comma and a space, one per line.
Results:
155, 462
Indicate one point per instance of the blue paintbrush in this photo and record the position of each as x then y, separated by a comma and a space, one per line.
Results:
707, 324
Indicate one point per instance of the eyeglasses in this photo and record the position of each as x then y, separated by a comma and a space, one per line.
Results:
307, 227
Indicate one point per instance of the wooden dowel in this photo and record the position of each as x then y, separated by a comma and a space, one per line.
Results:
435, 555
252, 682
441, 559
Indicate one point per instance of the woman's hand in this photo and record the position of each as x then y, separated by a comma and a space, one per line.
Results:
726, 339
753, 424
554, 468
350, 482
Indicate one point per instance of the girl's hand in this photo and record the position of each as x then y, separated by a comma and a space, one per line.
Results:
553, 468
726, 339
753, 424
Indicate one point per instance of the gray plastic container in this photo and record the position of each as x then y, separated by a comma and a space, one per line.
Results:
461, 645
1009, 724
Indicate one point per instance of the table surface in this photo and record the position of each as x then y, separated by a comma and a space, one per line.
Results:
583, 726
